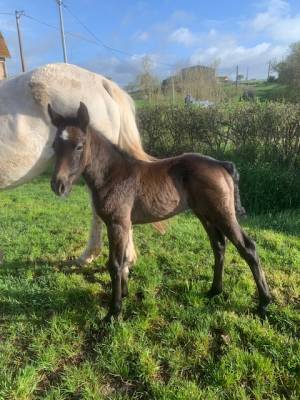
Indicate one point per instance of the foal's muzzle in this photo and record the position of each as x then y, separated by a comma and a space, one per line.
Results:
60, 187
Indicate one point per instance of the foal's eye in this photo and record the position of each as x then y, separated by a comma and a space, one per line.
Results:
79, 147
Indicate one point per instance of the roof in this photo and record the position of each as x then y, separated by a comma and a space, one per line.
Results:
4, 52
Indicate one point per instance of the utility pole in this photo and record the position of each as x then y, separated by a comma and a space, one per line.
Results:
173, 91
247, 75
269, 70
18, 15
237, 77
62, 30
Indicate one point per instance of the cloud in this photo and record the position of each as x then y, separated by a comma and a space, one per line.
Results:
188, 38
120, 70
125, 70
183, 36
229, 54
271, 29
142, 36
277, 22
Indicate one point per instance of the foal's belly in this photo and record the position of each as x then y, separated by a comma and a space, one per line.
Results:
162, 204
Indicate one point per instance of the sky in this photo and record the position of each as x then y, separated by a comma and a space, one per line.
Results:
173, 33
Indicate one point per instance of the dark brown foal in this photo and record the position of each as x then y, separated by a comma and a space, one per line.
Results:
127, 191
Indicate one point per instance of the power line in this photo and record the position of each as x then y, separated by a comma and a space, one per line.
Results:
108, 47
93, 35
95, 41
77, 35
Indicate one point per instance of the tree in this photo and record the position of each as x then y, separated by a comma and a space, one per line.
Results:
289, 69
146, 81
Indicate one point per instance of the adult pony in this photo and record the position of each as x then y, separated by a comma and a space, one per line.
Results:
26, 135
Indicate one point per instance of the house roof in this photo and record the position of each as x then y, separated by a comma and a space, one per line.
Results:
4, 52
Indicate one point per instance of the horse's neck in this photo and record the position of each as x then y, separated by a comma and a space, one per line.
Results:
104, 157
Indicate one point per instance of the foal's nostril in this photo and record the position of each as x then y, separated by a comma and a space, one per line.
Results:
58, 187
61, 188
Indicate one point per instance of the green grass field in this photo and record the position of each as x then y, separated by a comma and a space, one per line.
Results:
272, 91
172, 342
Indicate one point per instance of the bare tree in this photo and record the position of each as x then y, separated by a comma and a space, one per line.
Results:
147, 82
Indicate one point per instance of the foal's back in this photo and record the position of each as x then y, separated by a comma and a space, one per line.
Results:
169, 186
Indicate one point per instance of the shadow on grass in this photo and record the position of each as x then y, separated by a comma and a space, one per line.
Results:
287, 222
38, 303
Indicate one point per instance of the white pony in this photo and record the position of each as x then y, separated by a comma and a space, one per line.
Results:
26, 134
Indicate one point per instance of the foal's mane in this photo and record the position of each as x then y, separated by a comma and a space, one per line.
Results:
123, 153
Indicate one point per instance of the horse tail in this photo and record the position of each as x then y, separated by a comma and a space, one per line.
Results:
129, 136
233, 172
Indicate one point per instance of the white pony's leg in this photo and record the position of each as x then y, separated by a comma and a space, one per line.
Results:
94, 245
130, 253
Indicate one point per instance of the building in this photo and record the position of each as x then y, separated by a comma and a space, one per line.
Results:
187, 77
223, 79
4, 54
196, 70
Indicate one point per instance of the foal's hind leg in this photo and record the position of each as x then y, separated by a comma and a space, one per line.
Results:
247, 249
218, 244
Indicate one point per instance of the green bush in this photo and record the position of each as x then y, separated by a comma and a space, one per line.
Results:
263, 139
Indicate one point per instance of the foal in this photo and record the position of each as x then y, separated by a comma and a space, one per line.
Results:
128, 191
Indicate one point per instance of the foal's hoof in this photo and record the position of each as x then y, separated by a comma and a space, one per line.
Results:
263, 308
85, 259
213, 292
110, 318
262, 312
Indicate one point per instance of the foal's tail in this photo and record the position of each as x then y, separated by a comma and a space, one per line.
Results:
232, 170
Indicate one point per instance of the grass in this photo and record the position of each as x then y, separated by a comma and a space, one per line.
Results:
272, 91
172, 343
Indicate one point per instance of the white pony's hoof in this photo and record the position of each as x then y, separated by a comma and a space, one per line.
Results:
87, 258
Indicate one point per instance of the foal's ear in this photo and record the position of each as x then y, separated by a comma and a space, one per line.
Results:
83, 116
56, 119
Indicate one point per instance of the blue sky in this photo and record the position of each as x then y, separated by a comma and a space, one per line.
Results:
173, 33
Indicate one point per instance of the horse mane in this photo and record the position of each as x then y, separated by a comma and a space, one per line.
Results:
122, 152
129, 138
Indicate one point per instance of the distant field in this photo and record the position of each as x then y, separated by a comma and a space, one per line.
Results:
263, 90
271, 91
173, 343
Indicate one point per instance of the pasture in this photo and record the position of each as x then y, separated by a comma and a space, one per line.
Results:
172, 342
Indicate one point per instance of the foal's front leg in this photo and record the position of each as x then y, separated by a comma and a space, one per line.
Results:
129, 260
118, 238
